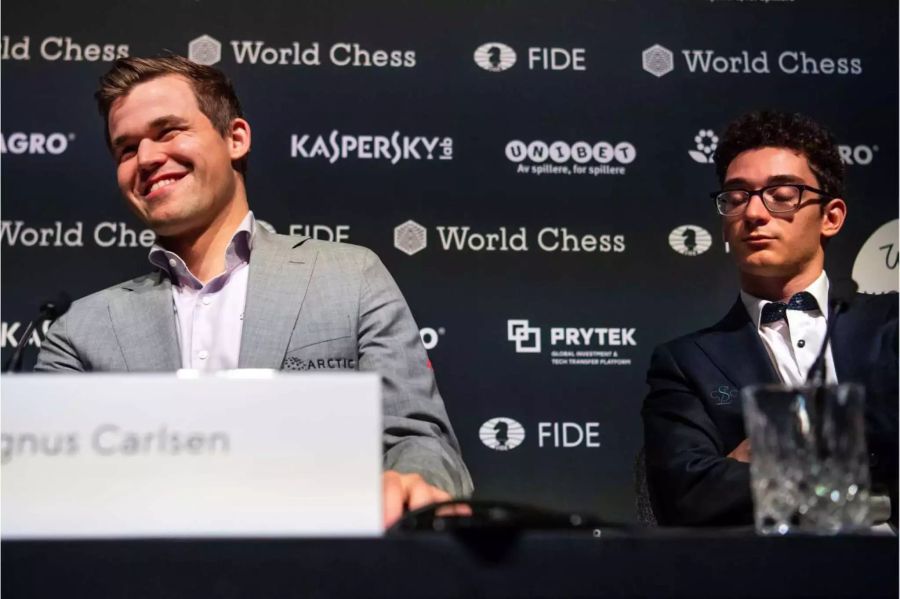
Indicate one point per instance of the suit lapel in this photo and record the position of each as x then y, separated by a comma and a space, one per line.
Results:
143, 318
734, 346
280, 271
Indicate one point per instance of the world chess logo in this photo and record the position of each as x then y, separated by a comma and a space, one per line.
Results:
526, 338
495, 57
410, 237
690, 240
205, 50
658, 60
501, 433
706, 143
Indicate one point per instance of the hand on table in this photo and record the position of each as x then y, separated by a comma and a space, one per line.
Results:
403, 492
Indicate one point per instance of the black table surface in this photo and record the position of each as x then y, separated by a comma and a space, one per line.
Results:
473, 563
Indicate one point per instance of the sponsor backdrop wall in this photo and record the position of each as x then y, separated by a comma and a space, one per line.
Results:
534, 174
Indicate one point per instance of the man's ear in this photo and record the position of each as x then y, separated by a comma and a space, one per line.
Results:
833, 216
238, 139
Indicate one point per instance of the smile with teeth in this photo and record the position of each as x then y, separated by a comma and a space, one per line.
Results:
161, 183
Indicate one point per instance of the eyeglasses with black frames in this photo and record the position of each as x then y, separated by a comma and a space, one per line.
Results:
778, 199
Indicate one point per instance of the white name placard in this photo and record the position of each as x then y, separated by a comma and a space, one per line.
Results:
113, 455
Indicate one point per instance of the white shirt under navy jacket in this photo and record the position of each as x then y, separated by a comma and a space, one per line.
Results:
794, 341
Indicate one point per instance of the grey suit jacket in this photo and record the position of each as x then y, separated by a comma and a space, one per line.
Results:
311, 305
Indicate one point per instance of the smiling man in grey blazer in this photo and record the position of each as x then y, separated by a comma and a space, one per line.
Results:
228, 294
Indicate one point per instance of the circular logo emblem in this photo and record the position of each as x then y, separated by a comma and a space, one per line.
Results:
875, 268
495, 57
502, 434
690, 240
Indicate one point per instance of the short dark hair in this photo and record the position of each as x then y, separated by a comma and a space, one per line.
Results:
772, 129
214, 92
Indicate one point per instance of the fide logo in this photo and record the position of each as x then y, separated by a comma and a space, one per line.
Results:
706, 143
495, 57
502, 434
690, 240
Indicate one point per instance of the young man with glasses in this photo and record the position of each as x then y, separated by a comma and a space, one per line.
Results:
780, 202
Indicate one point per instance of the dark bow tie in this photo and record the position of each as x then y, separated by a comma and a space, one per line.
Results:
774, 311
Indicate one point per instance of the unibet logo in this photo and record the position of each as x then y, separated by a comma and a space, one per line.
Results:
495, 57
690, 240
205, 50
526, 338
658, 60
501, 433
562, 158
35, 143
410, 237
706, 142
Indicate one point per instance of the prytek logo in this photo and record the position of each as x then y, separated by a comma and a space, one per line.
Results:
527, 340
562, 158
857, 155
706, 142
690, 240
35, 143
205, 50
495, 57
393, 148
410, 237
501, 433
659, 60
66, 49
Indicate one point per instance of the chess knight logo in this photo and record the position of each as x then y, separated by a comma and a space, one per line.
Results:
502, 434
690, 240
495, 57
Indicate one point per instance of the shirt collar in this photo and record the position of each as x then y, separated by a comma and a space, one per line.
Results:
237, 252
818, 289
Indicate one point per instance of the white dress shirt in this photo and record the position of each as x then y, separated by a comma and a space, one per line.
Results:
794, 342
210, 318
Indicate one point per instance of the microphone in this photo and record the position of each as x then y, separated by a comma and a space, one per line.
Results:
842, 293
49, 310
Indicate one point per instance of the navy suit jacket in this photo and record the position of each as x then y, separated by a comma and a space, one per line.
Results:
693, 419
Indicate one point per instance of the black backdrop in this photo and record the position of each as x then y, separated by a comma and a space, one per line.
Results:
633, 91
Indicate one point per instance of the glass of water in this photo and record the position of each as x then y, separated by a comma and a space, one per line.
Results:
809, 467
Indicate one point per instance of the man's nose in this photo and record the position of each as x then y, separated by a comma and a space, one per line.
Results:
756, 210
149, 155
